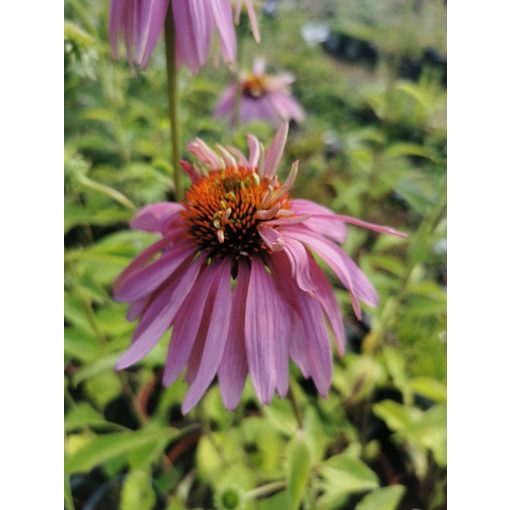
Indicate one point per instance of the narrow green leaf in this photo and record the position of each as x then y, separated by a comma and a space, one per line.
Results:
343, 474
84, 415
299, 463
386, 498
102, 449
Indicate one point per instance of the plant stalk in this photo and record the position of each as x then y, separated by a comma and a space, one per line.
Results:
173, 96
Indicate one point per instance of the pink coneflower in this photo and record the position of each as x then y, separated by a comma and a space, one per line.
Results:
262, 97
234, 275
140, 23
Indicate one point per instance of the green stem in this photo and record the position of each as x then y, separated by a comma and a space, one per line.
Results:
269, 488
106, 190
171, 74
295, 407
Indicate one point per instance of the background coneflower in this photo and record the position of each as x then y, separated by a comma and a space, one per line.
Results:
262, 97
140, 23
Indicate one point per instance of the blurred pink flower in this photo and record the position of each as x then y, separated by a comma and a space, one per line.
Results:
234, 275
140, 23
263, 97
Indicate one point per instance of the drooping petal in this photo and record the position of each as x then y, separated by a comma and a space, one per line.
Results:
151, 20
271, 237
321, 219
234, 366
139, 262
371, 226
309, 345
298, 258
222, 13
151, 217
252, 16
287, 107
346, 270
159, 315
186, 326
326, 298
144, 281
261, 327
214, 345
275, 150
193, 31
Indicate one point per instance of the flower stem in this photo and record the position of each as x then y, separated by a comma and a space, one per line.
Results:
295, 407
171, 74
267, 489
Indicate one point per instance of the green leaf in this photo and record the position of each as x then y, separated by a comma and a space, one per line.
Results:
386, 498
137, 492
429, 388
345, 474
102, 449
299, 463
100, 366
84, 415
395, 415
80, 345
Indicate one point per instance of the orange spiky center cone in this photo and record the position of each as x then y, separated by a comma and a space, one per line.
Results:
221, 211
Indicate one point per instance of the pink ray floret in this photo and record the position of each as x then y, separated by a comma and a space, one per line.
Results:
140, 24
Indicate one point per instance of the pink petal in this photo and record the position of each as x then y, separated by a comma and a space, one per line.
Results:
151, 277
309, 344
225, 106
151, 217
193, 29
298, 258
139, 262
271, 237
222, 13
261, 328
234, 366
326, 298
151, 18
350, 275
186, 326
252, 16
218, 326
191, 171
372, 226
254, 147
159, 315
287, 106
275, 151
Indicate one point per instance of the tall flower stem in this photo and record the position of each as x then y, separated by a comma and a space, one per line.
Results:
171, 74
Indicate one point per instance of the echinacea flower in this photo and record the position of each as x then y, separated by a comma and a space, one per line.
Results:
262, 97
140, 23
234, 274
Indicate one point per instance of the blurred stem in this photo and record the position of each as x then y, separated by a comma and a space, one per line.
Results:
106, 190
295, 407
172, 87
265, 490
236, 114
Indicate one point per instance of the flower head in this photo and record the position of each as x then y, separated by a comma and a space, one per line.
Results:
233, 273
140, 23
263, 97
